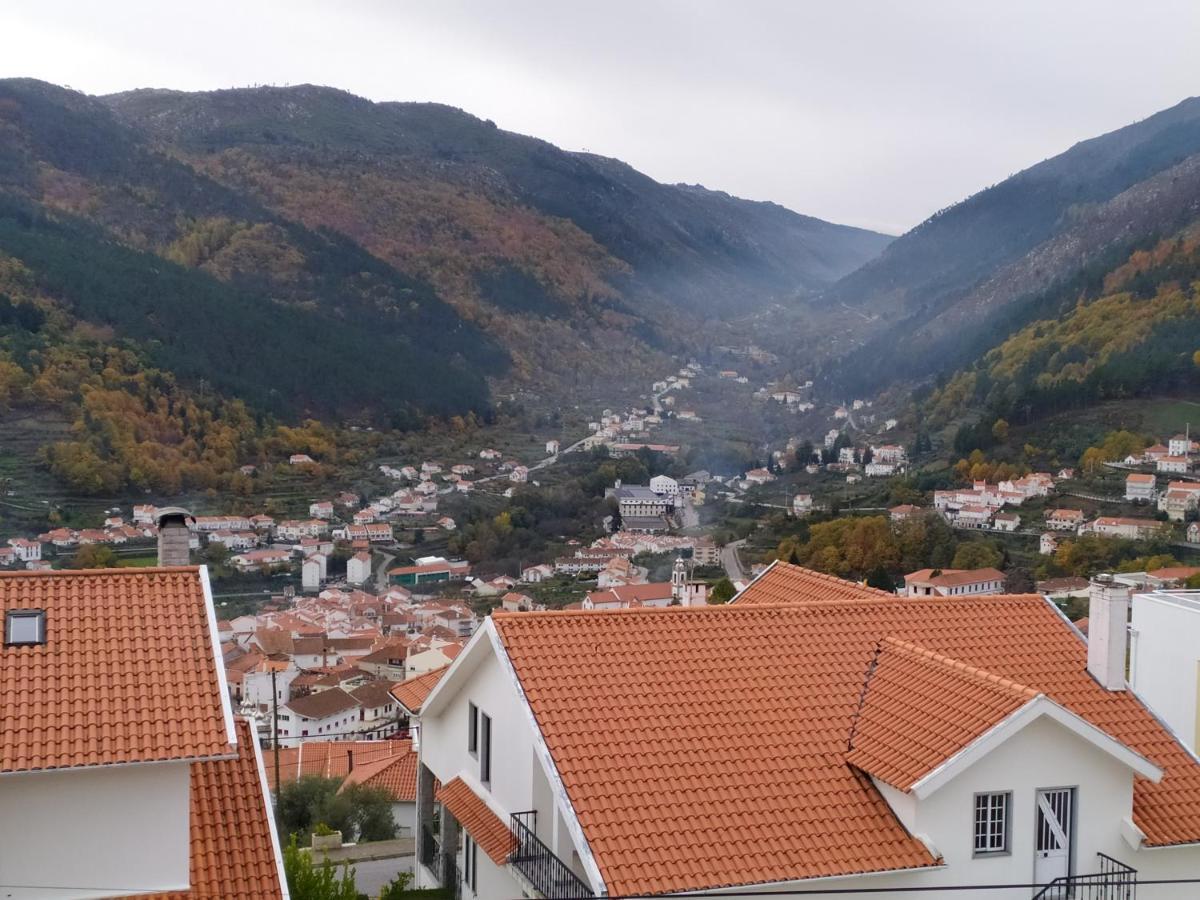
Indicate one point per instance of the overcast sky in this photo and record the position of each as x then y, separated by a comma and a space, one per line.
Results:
874, 114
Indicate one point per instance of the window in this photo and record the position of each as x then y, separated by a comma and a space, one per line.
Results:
992, 822
24, 626
470, 862
485, 748
472, 728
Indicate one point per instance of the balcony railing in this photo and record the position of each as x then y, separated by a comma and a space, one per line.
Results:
549, 875
443, 865
1113, 881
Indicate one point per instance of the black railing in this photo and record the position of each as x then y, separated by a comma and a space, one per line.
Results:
549, 875
444, 866
429, 848
1114, 881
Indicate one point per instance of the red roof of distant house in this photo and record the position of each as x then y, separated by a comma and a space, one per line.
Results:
795, 584
411, 694
395, 774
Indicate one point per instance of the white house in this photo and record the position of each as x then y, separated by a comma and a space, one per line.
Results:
1139, 486
802, 504
25, 549
395, 773
158, 789
322, 509
1047, 544
312, 571
324, 716
1180, 445
950, 757
358, 568
1006, 521
1131, 529
538, 573
664, 486
1174, 464
953, 582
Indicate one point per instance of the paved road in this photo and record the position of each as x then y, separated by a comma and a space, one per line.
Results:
372, 875
732, 562
381, 578
689, 515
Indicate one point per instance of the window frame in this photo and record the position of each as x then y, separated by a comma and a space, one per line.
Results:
470, 863
38, 616
990, 798
485, 749
472, 729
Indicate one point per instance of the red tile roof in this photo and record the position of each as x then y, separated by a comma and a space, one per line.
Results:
127, 674
919, 708
396, 774
411, 694
330, 759
631, 730
486, 828
233, 852
793, 584
953, 577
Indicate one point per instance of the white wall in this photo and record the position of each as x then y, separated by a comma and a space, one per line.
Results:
515, 766
1165, 657
95, 832
1043, 755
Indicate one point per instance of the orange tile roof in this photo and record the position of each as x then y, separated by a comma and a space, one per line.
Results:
953, 577
329, 759
233, 852
411, 694
919, 708
396, 774
786, 583
486, 828
631, 731
127, 674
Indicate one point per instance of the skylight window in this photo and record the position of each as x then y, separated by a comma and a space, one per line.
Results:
24, 626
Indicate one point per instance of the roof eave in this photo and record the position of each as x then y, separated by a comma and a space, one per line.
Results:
1026, 714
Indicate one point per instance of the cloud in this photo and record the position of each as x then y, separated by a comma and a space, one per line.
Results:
868, 113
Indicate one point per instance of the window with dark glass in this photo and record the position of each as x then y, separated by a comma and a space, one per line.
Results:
991, 822
485, 748
23, 627
472, 728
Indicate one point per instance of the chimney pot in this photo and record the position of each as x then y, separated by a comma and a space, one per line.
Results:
1108, 631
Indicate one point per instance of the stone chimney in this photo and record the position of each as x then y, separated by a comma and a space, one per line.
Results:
1108, 631
173, 536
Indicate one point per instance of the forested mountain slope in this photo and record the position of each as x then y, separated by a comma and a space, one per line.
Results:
950, 288
1137, 334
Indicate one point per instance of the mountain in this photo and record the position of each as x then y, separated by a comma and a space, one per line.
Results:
700, 250
953, 286
192, 281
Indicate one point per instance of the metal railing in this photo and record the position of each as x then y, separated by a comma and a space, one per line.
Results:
429, 848
444, 866
1114, 881
549, 875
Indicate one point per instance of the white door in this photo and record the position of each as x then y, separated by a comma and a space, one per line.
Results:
1052, 839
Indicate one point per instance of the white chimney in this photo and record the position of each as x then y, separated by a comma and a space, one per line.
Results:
1108, 631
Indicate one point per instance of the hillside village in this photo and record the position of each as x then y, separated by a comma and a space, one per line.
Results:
394, 506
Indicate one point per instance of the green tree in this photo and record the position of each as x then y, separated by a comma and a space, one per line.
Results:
1000, 431
308, 881
370, 812
879, 578
95, 556
314, 799
722, 591
976, 555
397, 888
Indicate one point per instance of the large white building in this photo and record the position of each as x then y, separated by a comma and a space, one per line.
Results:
944, 742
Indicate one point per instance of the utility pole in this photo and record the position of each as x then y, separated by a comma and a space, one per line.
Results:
275, 740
